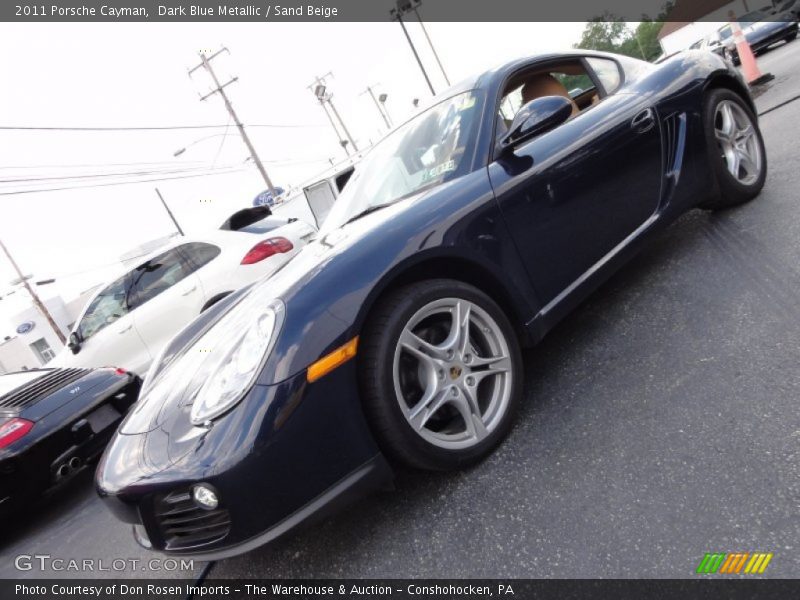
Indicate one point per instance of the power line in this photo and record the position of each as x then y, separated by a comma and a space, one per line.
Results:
221, 143
172, 163
220, 171
153, 127
85, 165
173, 171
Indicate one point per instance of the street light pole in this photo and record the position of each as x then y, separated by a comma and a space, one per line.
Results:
318, 88
430, 43
39, 304
382, 99
344, 127
396, 14
378, 106
206, 64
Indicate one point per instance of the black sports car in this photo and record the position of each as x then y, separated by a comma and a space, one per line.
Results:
54, 421
395, 337
760, 29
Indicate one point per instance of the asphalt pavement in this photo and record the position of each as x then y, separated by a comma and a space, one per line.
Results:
660, 422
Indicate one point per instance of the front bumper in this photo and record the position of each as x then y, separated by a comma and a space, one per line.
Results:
285, 453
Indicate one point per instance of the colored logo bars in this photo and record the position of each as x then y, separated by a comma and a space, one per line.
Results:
735, 562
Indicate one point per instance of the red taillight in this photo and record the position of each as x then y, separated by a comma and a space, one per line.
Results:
12, 430
120, 371
265, 249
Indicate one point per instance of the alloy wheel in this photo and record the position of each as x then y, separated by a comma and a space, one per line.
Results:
452, 373
738, 142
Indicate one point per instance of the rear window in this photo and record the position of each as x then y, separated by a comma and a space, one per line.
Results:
12, 381
199, 253
264, 225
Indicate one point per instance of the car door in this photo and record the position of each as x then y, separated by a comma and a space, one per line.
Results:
106, 332
574, 193
166, 295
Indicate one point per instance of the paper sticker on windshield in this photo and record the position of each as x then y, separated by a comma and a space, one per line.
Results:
467, 102
439, 170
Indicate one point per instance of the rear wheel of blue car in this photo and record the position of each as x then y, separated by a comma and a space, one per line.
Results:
440, 373
736, 148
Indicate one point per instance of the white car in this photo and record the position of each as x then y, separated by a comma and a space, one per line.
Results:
128, 322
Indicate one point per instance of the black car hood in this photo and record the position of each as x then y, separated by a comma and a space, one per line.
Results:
53, 390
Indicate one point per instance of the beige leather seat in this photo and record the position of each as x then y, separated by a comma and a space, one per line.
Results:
544, 84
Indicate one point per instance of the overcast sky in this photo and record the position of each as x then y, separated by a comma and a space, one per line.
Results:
135, 74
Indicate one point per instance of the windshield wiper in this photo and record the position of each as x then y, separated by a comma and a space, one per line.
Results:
369, 210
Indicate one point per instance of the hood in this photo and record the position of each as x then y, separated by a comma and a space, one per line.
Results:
156, 407
48, 390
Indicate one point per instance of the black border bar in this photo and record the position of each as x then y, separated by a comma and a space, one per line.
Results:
358, 10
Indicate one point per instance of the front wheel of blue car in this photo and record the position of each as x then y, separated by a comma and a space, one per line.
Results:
440, 374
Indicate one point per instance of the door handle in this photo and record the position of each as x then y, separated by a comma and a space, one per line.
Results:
189, 291
128, 328
644, 121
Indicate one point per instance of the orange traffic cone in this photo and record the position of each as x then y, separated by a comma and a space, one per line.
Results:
752, 73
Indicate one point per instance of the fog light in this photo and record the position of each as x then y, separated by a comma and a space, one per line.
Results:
140, 535
205, 497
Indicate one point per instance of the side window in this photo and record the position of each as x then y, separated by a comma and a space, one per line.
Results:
108, 306
199, 254
607, 71
157, 275
567, 79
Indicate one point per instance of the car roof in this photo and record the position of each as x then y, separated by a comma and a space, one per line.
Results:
216, 237
490, 78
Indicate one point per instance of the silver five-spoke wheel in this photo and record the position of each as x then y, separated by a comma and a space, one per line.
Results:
452, 373
737, 142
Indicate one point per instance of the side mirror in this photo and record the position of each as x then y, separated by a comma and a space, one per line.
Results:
74, 342
536, 117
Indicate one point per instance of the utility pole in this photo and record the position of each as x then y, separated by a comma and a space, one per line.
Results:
169, 212
319, 89
39, 304
206, 64
378, 106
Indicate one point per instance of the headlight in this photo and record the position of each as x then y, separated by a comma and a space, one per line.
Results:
236, 348
237, 361
214, 371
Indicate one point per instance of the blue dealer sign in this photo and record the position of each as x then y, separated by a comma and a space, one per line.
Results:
25, 327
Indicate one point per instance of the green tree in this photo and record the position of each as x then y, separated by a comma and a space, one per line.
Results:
609, 33
605, 33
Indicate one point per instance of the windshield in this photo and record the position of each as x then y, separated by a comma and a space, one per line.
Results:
432, 148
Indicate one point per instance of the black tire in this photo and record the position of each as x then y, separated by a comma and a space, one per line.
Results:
733, 56
726, 54
732, 192
380, 340
791, 38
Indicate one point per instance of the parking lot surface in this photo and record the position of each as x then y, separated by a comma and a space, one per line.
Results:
661, 422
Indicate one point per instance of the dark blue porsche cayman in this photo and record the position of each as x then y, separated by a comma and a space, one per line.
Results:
395, 337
